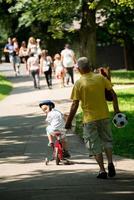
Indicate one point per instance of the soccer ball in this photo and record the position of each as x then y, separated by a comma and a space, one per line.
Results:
120, 120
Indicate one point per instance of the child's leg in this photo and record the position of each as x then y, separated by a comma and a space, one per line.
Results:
50, 138
49, 131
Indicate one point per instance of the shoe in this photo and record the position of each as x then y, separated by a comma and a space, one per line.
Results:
66, 154
102, 175
111, 170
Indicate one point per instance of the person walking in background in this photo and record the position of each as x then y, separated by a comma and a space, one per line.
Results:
90, 91
59, 69
34, 46
16, 58
34, 69
46, 65
68, 59
9, 49
23, 53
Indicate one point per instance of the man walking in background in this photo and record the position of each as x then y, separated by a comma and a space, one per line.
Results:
68, 59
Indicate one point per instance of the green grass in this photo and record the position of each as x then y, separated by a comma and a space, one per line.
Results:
5, 87
122, 77
123, 137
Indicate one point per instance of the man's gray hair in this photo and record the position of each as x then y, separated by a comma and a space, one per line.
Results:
83, 63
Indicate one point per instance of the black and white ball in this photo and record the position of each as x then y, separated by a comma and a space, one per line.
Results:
120, 120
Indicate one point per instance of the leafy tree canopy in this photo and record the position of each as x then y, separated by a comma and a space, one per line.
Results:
127, 3
97, 3
57, 17
119, 22
56, 13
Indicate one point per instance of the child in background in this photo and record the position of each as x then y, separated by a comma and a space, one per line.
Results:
55, 120
59, 69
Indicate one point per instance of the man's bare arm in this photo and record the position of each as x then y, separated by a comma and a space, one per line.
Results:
72, 113
115, 102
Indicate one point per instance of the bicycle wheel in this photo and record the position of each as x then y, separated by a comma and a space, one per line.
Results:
57, 156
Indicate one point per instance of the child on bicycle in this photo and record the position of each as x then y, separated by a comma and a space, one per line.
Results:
55, 120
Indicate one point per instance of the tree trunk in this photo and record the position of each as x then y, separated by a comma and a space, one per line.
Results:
129, 55
88, 35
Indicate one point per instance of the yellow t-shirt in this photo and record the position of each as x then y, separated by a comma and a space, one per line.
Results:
90, 91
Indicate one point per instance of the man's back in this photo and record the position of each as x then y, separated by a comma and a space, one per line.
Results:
90, 90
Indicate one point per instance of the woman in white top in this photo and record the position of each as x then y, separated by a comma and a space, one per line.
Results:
46, 67
32, 46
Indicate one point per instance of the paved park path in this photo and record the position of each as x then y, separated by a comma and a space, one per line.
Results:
23, 147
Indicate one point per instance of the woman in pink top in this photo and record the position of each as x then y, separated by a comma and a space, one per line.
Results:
23, 53
34, 69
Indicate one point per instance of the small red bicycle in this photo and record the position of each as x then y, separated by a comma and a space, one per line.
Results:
57, 149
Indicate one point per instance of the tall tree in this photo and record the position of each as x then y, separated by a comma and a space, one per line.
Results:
88, 33
119, 24
5, 20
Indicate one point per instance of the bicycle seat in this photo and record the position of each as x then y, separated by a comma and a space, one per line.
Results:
57, 133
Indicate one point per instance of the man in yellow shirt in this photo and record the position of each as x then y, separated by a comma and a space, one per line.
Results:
89, 90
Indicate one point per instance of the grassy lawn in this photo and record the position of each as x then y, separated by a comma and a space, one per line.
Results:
123, 137
122, 77
5, 87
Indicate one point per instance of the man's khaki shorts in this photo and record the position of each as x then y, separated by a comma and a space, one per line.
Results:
97, 136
